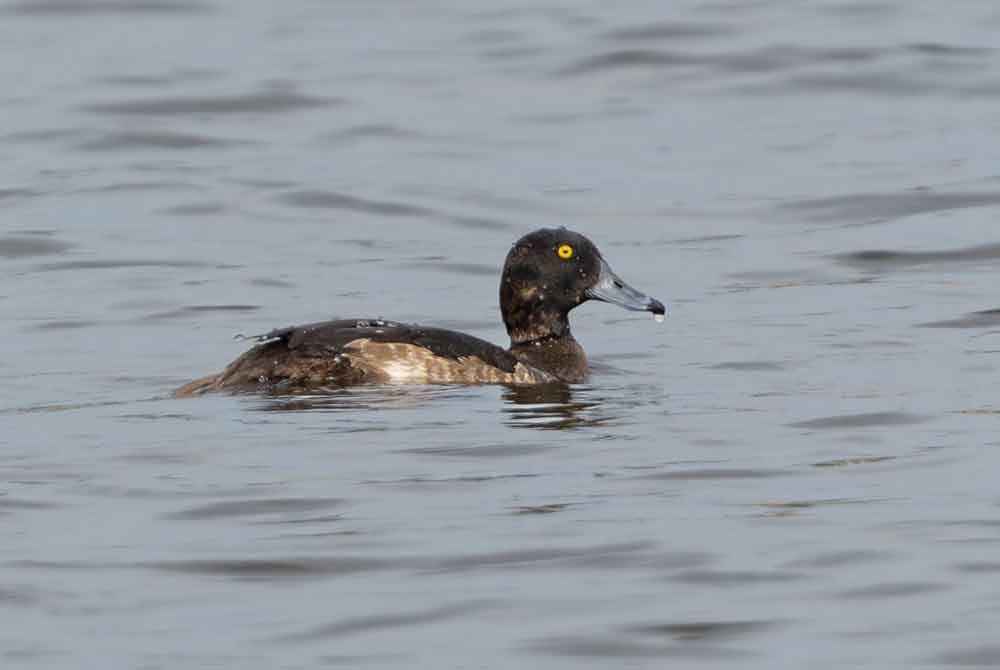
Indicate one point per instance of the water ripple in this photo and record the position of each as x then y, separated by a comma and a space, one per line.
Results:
671, 31
22, 246
986, 318
887, 206
240, 508
351, 203
700, 631
264, 102
156, 139
862, 420
388, 621
104, 7
881, 260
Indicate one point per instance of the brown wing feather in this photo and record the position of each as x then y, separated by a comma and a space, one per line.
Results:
355, 351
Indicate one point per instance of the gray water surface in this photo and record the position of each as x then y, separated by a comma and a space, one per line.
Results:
796, 469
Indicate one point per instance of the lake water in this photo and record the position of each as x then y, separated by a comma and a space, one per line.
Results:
798, 468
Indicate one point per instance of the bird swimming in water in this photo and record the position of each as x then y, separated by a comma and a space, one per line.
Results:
547, 273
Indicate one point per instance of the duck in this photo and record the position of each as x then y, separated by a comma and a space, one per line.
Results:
547, 273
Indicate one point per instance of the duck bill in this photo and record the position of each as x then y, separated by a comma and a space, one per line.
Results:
611, 288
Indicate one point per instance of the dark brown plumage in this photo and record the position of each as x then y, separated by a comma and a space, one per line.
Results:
546, 274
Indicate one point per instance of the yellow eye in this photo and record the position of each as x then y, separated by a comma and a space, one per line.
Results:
565, 252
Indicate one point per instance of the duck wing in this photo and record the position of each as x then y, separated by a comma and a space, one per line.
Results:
355, 351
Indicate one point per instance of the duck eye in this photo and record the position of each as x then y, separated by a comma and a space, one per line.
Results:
565, 252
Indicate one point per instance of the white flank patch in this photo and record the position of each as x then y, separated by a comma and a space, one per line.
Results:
404, 371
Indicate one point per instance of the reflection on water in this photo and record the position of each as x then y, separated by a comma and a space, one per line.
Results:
376, 398
562, 407
549, 406
545, 407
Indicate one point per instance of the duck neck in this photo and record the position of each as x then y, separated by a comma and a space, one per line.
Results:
527, 314
559, 355
535, 325
539, 332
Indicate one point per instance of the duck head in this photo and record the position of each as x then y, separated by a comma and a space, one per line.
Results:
550, 271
